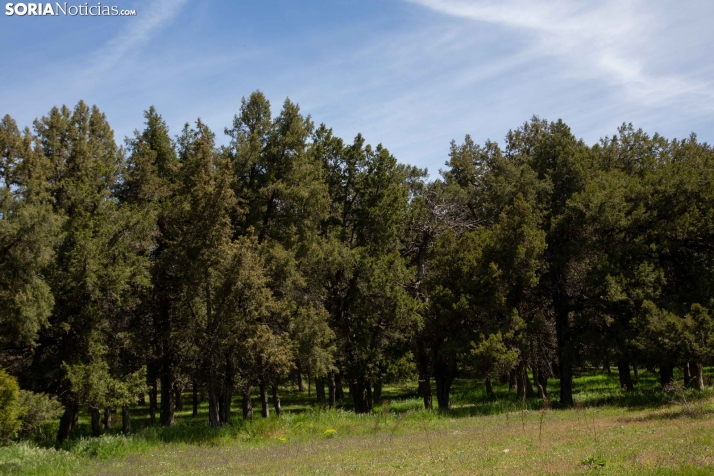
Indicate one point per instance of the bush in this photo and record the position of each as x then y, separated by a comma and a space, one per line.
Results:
10, 410
37, 409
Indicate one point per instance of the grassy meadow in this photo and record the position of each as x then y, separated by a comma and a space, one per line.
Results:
608, 432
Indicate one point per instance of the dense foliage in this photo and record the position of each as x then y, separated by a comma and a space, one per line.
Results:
173, 264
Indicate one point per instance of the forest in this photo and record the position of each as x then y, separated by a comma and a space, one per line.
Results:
164, 269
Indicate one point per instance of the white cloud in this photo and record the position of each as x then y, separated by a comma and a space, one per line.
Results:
608, 40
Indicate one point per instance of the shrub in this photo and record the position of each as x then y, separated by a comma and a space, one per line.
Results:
10, 410
37, 409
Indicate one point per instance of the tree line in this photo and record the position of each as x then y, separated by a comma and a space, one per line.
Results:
169, 265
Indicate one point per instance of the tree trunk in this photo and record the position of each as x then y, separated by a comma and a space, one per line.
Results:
309, 386
167, 398
142, 399
331, 388
264, 402
444, 373
214, 419
426, 392
247, 404
520, 384
339, 391
320, 390
178, 399
377, 394
424, 379
360, 396
276, 400
562, 329
666, 374
530, 393
623, 369
166, 369
489, 387
566, 384
96, 422
67, 421
697, 375
153, 400
221, 404
542, 383
512, 380
301, 384
606, 363
686, 374
227, 391
125, 421
636, 371
107, 418
195, 400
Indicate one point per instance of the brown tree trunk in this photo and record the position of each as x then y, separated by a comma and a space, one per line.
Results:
276, 400
697, 375
489, 387
195, 400
520, 386
686, 374
360, 396
264, 402
426, 392
666, 374
107, 418
153, 399
96, 422
623, 369
530, 393
301, 384
214, 419
331, 388
67, 421
636, 371
166, 417
227, 391
247, 404
320, 390
221, 404
444, 372
178, 399
512, 380
377, 393
562, 330
339, 390
125, 421
542, 383
424, 379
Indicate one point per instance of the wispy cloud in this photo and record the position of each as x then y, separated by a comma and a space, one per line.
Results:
609, 40
151, 18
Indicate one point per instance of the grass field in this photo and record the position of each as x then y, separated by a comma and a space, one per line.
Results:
608, 432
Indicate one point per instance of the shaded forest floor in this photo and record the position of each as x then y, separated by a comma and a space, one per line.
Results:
608, 432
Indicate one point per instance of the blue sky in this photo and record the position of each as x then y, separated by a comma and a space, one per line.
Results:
411, 74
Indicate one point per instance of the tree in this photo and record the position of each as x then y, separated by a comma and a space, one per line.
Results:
99, 260
29, 232
10, 410
93, 385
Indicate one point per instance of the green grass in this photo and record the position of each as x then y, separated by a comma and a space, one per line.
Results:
608, 432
